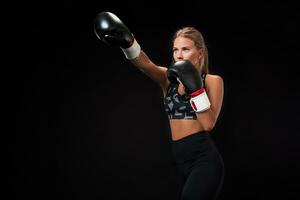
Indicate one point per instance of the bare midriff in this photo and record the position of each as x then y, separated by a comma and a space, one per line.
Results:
181, 128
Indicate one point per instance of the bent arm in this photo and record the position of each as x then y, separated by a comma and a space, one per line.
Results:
155, 72
215, 92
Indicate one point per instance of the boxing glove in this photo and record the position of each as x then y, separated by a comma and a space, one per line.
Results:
183, 71
112, 31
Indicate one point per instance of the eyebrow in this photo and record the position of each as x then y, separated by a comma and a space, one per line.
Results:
184, 47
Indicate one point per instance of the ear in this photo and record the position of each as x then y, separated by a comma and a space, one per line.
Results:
201, 52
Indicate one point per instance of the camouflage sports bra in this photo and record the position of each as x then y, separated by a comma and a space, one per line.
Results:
178, 106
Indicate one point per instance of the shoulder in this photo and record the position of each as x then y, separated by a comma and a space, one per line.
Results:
165, 84
213, 81
213, 77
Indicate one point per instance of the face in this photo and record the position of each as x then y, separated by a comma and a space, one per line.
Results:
185, 49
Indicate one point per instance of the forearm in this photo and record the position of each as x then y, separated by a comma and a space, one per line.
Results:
142, 62
207, 119
155, 72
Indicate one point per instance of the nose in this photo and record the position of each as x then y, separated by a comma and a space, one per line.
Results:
179, 55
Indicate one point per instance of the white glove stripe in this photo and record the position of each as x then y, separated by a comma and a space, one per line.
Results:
200, 103
133, 51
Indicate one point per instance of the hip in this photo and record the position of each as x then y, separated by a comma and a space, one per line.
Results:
198, 146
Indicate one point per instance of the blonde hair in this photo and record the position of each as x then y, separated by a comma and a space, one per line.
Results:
194, 35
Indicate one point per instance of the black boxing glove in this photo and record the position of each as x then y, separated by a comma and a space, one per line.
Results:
112, 31
184, 71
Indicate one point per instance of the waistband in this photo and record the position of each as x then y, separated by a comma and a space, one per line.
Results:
192, 136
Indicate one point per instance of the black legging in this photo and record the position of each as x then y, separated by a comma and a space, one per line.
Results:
199, 165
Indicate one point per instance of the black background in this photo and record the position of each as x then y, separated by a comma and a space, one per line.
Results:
83, 123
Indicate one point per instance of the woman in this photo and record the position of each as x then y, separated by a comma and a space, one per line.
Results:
193, 100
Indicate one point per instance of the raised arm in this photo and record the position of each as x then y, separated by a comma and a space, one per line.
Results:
112, 31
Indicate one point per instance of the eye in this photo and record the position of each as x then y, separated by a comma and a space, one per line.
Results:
186, 49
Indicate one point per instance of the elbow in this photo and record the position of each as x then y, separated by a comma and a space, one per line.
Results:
209, 126
207, 120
